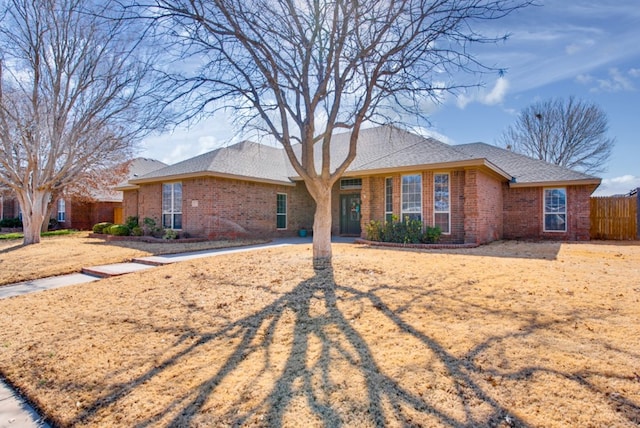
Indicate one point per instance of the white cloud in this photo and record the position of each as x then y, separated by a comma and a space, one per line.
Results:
495, 96
575, 48
188, 141
617, 185
617, 81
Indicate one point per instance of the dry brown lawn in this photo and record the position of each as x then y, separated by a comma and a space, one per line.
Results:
508, 334
60, 255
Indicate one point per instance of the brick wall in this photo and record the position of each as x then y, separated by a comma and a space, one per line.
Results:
130, 203
523, 213
83, 215
223, 208
483, 206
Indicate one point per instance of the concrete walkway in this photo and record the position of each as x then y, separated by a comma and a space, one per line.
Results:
14, 411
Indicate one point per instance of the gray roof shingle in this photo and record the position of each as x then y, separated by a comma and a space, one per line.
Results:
523, 168
245, 159
381, 148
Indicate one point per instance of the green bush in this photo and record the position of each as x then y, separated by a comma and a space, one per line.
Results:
117, 230
431, 235
150, 227
131, 222
137, 231
403, 232
170, 234
100, 227
11, 222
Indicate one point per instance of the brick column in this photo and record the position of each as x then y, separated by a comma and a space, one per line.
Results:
365, 205
471, 210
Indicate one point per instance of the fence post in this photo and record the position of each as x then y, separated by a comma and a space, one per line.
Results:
638, 213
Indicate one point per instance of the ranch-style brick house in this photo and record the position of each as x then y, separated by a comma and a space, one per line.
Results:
476, 193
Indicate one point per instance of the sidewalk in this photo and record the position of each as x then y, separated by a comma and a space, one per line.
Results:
14, 411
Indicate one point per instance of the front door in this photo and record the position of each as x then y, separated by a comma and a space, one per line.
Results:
350, 214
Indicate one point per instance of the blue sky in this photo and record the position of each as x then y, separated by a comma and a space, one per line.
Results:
589, 49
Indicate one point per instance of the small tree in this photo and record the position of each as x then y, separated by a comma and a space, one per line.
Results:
570, 133
301, 70
75, 94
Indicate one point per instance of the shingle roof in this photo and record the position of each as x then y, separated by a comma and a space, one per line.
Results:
522, 168
382, 148
388, 147
245, 159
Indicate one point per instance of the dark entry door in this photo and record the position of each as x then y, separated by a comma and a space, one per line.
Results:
350, 214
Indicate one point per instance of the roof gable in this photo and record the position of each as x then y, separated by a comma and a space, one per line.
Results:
246, 159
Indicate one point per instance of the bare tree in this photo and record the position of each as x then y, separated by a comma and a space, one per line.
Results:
570, 133
73, 97
300, 70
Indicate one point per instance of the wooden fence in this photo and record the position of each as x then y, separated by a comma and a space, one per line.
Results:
615, 217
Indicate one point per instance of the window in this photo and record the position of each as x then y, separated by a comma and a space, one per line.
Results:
281, 211
350, 183
388, 199
555, 210
61, 210
412, 197
172, 205
441, 205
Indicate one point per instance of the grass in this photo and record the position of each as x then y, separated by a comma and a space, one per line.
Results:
60, 254
508, 334
20, 235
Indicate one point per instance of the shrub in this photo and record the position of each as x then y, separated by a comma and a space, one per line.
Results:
403, 232
131, 222
137, 231
100, 227
11, 222
431, 235
170, 234
149, 227
374, 230
117, 230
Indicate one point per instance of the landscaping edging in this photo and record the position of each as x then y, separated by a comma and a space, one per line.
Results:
148, 239
362, 241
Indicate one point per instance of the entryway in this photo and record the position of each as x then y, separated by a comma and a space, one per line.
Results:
350, 214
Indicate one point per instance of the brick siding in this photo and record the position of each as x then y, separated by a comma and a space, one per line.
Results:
218, 208
483, 207
523, 213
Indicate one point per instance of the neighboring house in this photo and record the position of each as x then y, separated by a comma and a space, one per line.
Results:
103, 204
475, 193
83, 213
9, 207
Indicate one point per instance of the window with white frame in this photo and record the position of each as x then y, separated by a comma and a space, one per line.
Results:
411, 197
281, 211
388, 199
61, 210
555, 210
441, 203
172, 205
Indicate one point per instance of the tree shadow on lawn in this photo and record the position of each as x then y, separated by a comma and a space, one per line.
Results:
323, 341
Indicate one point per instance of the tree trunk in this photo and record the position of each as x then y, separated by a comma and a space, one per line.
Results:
34, 208
322, 231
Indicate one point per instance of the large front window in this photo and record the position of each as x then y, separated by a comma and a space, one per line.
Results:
412, 197
172, 205
441, 202
281, 211
555, 210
